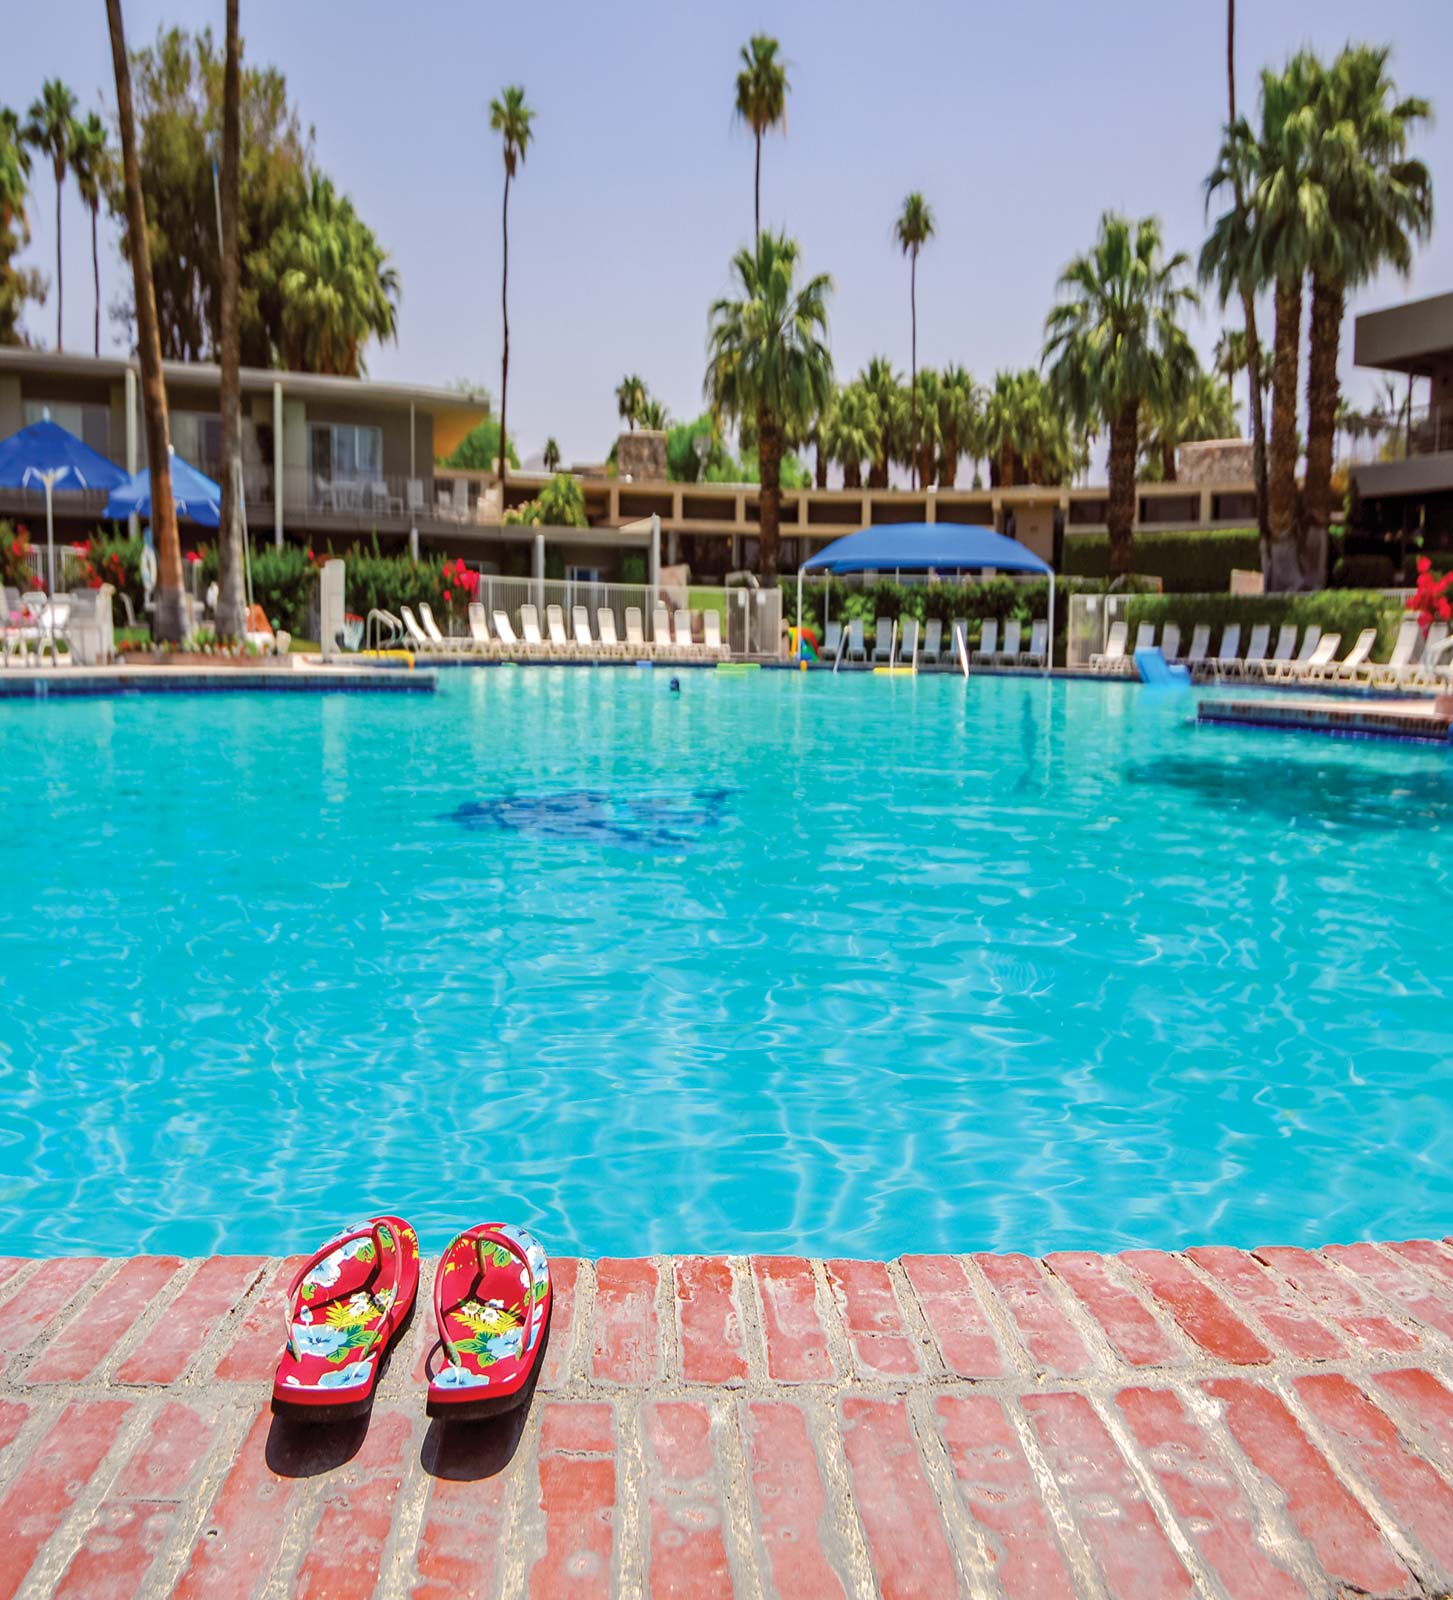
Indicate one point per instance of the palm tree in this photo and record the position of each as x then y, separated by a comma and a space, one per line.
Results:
231, 552
551, 456
768, 364
169, 619
89, 153
630, 400
655, 415
1198, 405
1114, 342
912, 230
50, 126
960, 422
335, 284
761, 103
509, 117
852, 431
891, 406
927, 393
14, 169
1376, 203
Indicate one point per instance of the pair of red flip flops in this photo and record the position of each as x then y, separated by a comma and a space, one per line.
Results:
349, 1303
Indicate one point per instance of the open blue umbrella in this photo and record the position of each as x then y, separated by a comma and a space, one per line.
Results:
45, 455
198, 499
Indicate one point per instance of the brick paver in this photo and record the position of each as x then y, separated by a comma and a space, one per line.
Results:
1256, 1425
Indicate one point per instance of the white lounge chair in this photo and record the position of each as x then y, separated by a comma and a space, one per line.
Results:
883, 639
832, 638
685, 645
559, 640
1228, 659
1399, 663
711, 629
857, 646
1170, 641
1251, 662
1432, 669
636, 645
1200, 647
1112, 657
1008, 652
1324, 656
436, 638
661, 639
1038, 649
479, 636
419, 641
988, 640
1144, 636
530, 635
509, 641
932, 647
1286, 648
1346, 670
580, 627
907, 639
1289, 671
605, 625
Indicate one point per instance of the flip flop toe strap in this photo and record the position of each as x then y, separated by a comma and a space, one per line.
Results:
384, 1299
480, 1238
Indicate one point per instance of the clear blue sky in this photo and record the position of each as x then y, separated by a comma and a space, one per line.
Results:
1019, 122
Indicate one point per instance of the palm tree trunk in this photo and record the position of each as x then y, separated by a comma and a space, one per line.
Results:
60, 287
1328, 297
1282, 469
1248, 312
820, 477
913, 381
757, 197
169, 623
769, 473
948, 464
1124, 431
96, 273
504, 375
1167, 462
231, 553
852, 475
1006, 464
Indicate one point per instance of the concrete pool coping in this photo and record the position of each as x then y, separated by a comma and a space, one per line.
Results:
1212, 1421
61, 683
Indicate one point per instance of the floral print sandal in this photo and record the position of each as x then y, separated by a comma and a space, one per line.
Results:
492, 1305
345, 1307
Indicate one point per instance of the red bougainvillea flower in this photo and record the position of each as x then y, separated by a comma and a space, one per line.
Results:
449, 595
193, 556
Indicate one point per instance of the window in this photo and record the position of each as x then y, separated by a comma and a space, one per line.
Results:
345, 451
197, 438
91, 424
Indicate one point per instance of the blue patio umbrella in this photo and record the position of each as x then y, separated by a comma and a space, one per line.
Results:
46, 455
198, 499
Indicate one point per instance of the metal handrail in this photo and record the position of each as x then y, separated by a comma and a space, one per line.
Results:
961, 639
373, 638
842, 644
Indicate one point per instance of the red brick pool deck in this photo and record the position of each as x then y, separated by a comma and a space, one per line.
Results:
1214, 1422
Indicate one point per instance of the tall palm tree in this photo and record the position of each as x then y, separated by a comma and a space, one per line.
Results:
1376, 202
231, 552
761, 103
630, 400
551, 455
1196, 405
891, 404
511, 118
50, 126
960, 422
14, 169
1114, 342
852, 431
1002, 412
768, 364
912, 230
169, 619
89, 160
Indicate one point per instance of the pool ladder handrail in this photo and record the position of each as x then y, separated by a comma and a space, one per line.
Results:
842, 644
373, 638
961, 641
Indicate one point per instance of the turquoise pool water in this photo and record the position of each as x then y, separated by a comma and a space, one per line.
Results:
783, 963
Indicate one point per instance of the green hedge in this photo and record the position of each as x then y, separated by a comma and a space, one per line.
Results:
1344, 611
1198, 561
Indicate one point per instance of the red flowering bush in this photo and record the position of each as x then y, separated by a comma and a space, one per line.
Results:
1433, 597
15, 568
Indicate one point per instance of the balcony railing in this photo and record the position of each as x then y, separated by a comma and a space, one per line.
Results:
1384, 436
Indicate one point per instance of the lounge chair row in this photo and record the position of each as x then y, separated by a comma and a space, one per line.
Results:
555, 644
908, 644
1316, 661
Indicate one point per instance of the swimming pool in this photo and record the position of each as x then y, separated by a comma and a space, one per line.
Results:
785, 963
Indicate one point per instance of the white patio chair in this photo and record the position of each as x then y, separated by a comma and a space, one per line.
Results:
1431, 670
1346, 670
580, 627
1286, 648
510, 643
1144, 637
1324, 656
883, 639
439, 640
1170, 641
1008, 653
932, 647
1390, 673
1289, 670
988, 640
636, 644
685, 644
419, 641
1112, 657
711, 632
857, 649
1038, 649
479, 635
661, 632
1200, 647
907, 639
605, 626
1228, 658
530, 636
831, 639
559, 640
1250, 664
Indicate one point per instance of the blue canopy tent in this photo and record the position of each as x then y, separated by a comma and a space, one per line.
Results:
198, 499
45, 454
929, 547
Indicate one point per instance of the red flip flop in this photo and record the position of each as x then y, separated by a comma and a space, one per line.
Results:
345, 1307
492, 1305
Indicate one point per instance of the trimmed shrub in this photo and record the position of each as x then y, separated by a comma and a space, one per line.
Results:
1199, 561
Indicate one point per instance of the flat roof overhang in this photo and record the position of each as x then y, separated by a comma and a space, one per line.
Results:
1416, 475
1416, 338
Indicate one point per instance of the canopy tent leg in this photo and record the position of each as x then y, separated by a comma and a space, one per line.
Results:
801, 651
1049, 643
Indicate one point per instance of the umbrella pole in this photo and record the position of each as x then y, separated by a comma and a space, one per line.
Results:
50, 554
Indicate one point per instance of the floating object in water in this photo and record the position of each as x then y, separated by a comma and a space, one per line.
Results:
651, 821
